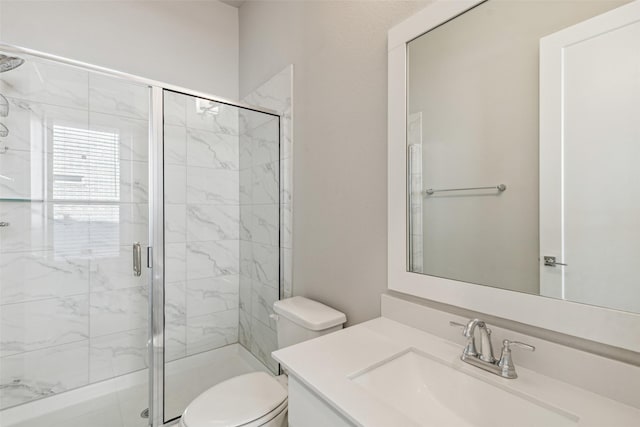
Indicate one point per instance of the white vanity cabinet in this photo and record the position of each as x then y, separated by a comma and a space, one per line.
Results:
307, 409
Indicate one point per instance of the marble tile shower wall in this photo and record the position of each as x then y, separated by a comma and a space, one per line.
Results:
71, 312
202, 225
262, 207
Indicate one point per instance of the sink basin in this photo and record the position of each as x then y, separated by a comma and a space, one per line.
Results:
432, 392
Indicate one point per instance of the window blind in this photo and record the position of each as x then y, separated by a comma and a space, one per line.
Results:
86, 192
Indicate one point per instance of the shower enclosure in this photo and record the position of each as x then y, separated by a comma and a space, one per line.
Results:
139, 243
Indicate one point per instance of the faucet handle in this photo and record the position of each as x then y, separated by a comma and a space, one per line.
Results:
508, 369
506, 345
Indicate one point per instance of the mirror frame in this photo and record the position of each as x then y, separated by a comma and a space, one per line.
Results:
608, 326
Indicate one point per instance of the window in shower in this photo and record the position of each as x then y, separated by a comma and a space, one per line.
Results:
86, 190
86, 164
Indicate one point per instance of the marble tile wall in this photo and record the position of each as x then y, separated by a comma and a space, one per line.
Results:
264, 276
202, 225
71, 312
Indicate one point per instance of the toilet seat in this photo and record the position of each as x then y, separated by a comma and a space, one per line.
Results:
248, 400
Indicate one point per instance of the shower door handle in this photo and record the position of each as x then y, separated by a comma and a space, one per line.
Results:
137, 259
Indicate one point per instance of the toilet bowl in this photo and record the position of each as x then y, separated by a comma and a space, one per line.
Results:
258, 399
249, 400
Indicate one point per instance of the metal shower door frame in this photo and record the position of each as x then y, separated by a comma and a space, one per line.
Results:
155, 258
156, 239
156, 245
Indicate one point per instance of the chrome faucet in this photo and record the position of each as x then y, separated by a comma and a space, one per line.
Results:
486, 352
484, 358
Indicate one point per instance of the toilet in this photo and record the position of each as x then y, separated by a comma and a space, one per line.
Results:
258, 399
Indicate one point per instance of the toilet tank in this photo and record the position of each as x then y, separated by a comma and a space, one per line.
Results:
300, 319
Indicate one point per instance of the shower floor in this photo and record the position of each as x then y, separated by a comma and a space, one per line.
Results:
119, 402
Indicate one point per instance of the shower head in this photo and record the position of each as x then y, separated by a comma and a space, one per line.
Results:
8, 63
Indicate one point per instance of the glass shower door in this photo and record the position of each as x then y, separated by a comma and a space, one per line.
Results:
73, 202
221, 244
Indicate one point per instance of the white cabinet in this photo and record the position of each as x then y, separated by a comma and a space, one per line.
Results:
307, 409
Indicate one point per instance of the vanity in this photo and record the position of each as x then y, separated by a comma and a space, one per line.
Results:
399, 370
513, 199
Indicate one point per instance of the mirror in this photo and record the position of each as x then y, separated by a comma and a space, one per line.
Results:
523, 141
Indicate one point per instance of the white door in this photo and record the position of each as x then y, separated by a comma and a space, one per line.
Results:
590, 160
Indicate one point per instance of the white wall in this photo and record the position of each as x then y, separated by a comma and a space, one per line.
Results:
338, 50
188, 43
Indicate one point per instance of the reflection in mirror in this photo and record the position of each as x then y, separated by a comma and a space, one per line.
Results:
522, 136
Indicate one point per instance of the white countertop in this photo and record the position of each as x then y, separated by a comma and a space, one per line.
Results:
326, 363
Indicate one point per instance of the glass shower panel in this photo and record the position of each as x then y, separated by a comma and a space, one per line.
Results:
73, 201
221, 211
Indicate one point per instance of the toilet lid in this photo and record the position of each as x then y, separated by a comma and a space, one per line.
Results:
235, 402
